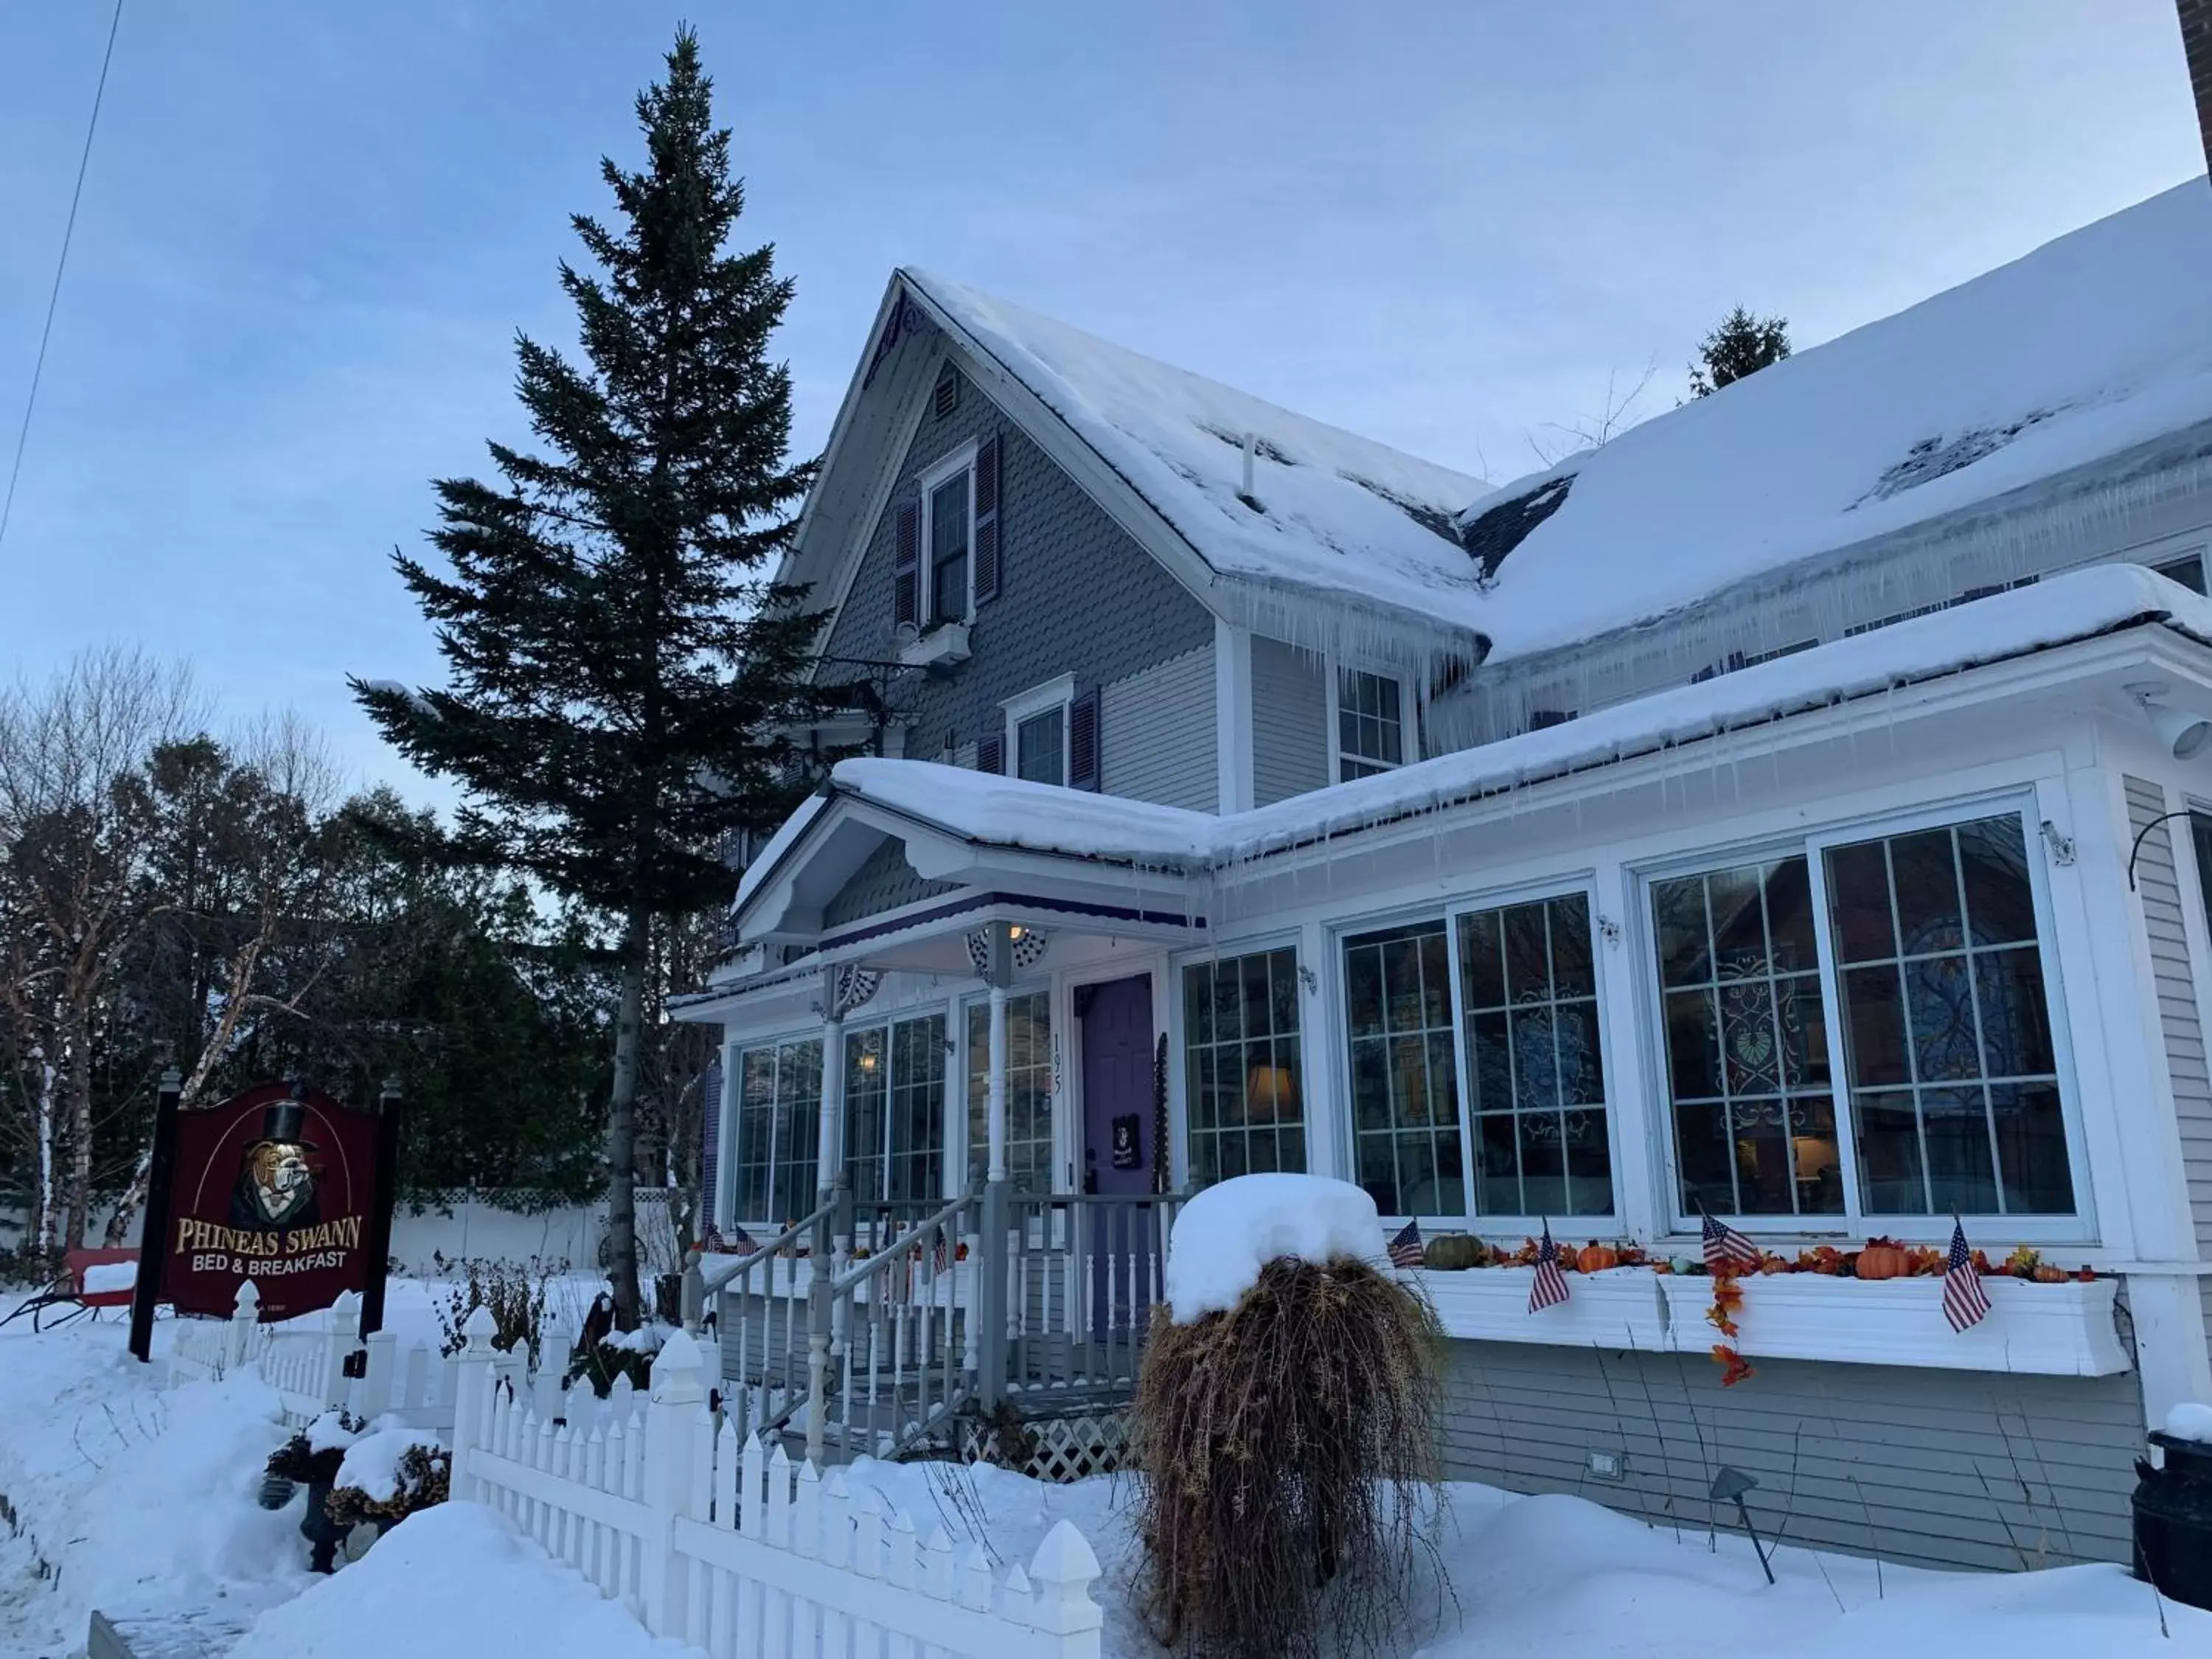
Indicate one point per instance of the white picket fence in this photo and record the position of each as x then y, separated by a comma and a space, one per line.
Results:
715, 1539
304, 1361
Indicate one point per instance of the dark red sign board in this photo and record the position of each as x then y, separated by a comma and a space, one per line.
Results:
279, 1184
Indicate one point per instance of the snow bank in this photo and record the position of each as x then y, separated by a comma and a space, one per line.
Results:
131, 1497
457, 1579
372, 1462
1229, 1232
2190, 1421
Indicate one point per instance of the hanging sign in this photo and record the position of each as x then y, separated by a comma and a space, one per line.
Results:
280, 1184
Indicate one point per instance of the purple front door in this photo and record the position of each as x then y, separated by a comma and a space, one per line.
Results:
1117, 1150
1117, 1086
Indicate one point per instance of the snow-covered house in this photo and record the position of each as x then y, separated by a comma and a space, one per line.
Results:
1798, 810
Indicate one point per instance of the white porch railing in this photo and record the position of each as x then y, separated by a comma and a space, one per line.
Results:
712, 1538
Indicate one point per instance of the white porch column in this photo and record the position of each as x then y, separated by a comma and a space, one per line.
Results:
1001, 969
831, 1136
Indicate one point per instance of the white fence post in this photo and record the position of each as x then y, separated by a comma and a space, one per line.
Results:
472, 1402
373, 1398
1063, 1569
244, 1315
341, 1325
675, 1413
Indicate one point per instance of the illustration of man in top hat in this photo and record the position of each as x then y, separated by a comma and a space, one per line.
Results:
276, 1186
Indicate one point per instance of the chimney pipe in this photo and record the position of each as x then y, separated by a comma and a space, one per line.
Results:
2195, 17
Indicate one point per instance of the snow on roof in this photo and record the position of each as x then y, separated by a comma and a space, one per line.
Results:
1013, 812
2090, 345
984, 807
1334, 511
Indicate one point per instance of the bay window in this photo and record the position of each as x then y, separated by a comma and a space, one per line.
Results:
894, 1111
1407, 1143
1244, 1106
1903, 973
778, 1117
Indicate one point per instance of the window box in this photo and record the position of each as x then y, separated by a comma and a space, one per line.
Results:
1621, 1308
2062, 1330
947, 644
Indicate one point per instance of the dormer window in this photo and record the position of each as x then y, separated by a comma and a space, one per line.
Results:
1371, 724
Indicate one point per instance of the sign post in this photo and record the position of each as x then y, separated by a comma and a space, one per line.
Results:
160, 1171
385, 1194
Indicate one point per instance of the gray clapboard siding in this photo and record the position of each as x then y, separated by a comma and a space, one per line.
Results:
1291, 708
1946, 1468
1157, 733
883, 881
2158, 889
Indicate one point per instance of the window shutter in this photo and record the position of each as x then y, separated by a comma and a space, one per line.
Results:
988, 556
906, 568
991, 752
1083, 741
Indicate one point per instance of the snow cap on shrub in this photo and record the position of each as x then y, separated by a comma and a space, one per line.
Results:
1229, 1232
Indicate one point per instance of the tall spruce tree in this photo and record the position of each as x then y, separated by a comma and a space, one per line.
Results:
1742, 344
619, 656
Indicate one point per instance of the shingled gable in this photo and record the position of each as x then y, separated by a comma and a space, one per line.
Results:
1340, 544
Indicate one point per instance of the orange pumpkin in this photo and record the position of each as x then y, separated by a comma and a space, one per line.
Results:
2087, 1275
2045, 1273
1595, 1258
1773, 1264
1881, 1259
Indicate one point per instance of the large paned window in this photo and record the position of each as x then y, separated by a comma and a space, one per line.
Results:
779, 1117
1933, 999
1747, 1042
1029, 1091
1536, 1075
1244, 1106
894, 1111
1955, 1080
1041, 746
1405, 1078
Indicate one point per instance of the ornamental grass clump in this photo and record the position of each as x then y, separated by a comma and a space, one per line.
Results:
1287, 1456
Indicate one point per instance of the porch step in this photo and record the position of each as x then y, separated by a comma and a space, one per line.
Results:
186, 1633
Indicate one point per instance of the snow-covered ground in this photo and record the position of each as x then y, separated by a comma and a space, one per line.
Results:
127, 1497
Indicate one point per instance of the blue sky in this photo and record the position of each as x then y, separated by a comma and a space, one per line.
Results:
308, 234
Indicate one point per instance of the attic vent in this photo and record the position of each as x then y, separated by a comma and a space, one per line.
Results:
1502, 528
947, 396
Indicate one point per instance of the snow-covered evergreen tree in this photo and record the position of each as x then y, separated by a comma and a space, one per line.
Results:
1742, 344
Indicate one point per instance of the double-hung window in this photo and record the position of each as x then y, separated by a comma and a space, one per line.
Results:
779, 1116
1037, 731
948, 512
1476, 1067
1370, 724
894, 1111
1862, 1027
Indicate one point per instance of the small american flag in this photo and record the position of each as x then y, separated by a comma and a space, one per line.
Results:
1727, 1252
712, 1243
1965, 1302
941, 1257
1549, 1288
1405, 1246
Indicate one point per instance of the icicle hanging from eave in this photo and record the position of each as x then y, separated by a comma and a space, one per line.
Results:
1927, 565
1336, 624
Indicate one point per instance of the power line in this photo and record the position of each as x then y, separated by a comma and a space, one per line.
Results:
53, 300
